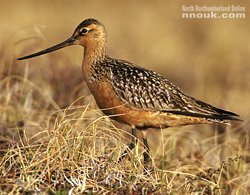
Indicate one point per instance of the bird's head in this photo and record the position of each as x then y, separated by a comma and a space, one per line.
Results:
89, 33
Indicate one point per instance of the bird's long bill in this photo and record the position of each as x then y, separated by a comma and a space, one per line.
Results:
68, 42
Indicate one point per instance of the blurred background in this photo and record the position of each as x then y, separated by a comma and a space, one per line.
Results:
207, 58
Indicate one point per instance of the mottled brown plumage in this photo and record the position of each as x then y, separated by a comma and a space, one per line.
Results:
131, 94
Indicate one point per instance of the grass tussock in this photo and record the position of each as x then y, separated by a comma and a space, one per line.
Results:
78, 153
75, 150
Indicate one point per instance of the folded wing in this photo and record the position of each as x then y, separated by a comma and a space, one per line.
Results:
141, 88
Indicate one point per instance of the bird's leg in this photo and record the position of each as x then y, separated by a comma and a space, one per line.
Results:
131, 145
147, 169
146, 156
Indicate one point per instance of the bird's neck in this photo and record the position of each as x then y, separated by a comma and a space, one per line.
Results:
94, 53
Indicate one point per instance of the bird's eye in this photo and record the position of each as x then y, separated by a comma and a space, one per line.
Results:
83, 31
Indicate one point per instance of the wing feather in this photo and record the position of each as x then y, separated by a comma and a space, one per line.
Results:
141, 88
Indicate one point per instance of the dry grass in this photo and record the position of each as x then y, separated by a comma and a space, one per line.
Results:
75, 150
53, 138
